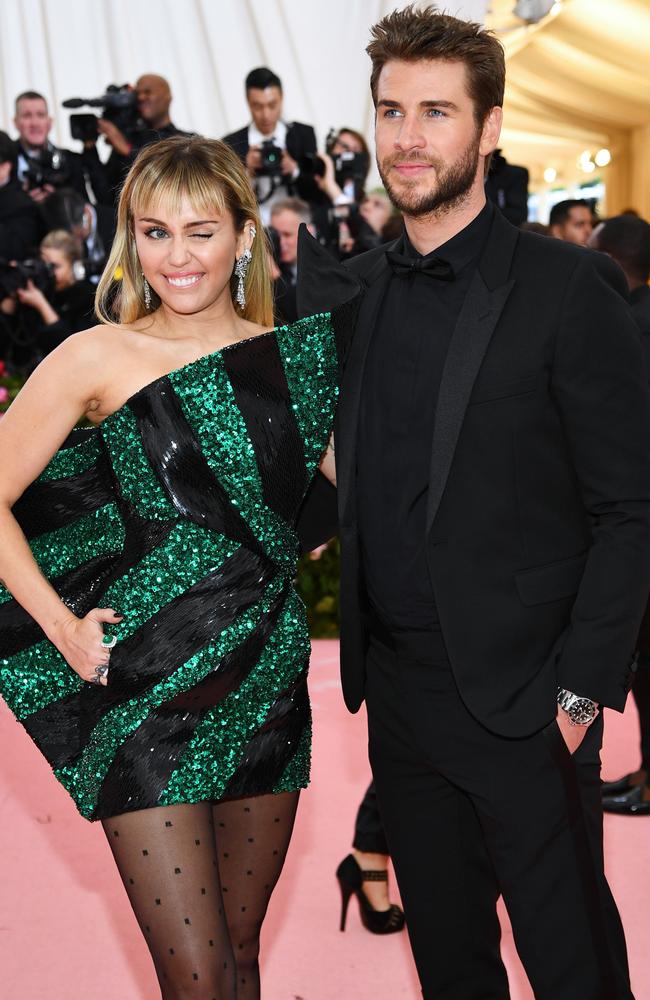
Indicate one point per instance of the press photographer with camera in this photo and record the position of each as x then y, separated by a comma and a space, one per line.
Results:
20, 222
271, 148
340, 176
131, 119
41, 166
44, 300
92, 225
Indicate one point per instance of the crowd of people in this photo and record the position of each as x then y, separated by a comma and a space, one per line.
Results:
73, 229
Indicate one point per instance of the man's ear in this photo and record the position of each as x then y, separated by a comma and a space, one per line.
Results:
491, 131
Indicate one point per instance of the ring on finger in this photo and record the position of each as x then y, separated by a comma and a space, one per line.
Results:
101, 671
108, 641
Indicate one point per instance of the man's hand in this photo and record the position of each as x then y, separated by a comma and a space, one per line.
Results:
253, 160
39, 195
289, 165
572, 735
114, 137
327, 182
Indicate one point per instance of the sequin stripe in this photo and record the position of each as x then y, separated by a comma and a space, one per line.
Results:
309, 356
156, 650
296, 772
131, 467
274, 744
57, 552
84, 776
220, 740
144, 763
46, 506
175, 454
262, 396
36, 677
79, 451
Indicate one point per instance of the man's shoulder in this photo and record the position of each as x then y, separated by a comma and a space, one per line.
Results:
549, 258
236, 138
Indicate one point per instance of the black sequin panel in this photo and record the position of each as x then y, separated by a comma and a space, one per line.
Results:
176, 457
46, 506
262, 395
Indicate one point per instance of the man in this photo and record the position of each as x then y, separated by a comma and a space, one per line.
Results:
154, 101
40, 165
626, 239
494, 509
286, 218
21, 228
273, 180
571, 221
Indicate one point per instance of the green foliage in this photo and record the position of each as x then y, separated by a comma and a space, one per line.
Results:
318, 585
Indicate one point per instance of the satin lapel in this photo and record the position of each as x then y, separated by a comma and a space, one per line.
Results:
469, 342
348, 409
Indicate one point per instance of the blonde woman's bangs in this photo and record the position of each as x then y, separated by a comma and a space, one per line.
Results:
172, 186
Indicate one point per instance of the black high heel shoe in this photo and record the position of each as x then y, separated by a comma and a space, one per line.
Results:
351, 878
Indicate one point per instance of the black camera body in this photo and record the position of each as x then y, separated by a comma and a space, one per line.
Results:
16, 275
350, 167
119, 105
50, 166
271, 155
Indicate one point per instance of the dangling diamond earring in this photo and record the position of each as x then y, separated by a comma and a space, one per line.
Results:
241, 269
147, 293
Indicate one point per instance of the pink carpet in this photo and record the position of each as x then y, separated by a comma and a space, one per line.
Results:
67, 933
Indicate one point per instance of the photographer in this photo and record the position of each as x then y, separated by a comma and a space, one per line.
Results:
92, 225
41, 166
20, 223
287, 215
271, 148
340, 175
148, 122
47, 306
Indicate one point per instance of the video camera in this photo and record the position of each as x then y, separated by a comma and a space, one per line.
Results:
16, 275
119, 105
49, 166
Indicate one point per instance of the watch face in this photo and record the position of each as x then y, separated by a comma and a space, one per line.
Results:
582, 711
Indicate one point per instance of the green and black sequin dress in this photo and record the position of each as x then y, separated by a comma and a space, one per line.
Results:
179, 511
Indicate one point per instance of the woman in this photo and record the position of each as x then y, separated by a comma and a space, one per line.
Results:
158, 657
69, 308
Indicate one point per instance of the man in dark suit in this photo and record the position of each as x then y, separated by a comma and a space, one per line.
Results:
494, 509
293, 139
40, 165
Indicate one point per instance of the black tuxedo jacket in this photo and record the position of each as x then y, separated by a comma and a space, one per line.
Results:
538, 523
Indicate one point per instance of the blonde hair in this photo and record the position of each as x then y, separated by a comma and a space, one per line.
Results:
61, 239
213, 178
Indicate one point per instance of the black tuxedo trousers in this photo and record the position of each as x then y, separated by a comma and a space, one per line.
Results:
470, 815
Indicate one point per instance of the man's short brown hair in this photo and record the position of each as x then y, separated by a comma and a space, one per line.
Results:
412, 35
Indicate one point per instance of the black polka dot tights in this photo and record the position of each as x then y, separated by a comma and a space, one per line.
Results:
199, 878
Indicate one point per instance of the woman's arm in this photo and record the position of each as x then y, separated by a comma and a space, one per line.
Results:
60, 391
327, 463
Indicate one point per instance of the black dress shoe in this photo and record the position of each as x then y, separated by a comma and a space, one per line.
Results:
628, 803
609, 788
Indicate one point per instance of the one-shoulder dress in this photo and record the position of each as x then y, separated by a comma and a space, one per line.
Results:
179, 511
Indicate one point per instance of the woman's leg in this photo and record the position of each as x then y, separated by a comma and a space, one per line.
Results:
252, 837
167, 859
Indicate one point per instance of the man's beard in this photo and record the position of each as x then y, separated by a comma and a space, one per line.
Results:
453, 182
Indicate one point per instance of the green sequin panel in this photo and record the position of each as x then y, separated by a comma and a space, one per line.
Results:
73, 461
138, 482
208, 402
84, 778
308, 350
186, 556
61, 550
296, 773
36, 677
219, 742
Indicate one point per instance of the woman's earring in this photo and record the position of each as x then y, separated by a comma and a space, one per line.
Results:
241, 270
147, 293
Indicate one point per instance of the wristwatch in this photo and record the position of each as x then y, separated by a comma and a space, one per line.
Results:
581, 711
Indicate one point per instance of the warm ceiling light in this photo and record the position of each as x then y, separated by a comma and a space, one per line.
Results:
603, 157
585, 157
550, 175
588, 167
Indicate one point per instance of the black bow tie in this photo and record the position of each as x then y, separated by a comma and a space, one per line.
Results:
434, 266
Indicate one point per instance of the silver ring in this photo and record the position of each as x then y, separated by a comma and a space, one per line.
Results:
108, 641
101, 671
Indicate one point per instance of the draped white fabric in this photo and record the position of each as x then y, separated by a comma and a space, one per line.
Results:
205, 48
